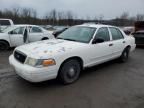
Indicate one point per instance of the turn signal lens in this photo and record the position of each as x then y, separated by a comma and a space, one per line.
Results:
48, 62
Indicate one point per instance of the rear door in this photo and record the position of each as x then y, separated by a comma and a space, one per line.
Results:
118, 41
35, 34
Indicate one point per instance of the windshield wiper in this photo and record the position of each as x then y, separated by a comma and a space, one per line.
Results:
66, 39
70, 39
59, 38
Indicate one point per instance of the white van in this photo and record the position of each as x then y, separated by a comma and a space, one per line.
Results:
5, 23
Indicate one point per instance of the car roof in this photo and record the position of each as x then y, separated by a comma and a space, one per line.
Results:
95, 25
4, 19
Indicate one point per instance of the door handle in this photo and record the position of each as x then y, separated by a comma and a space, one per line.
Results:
124, 41
111, 44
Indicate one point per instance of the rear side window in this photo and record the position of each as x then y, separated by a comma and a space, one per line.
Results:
4, 22
116, 34
36, 30
103, 33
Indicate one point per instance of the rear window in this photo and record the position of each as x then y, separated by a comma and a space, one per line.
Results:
116, 33
4, 22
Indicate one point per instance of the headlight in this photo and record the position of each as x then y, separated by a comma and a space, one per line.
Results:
31, 61
40, 62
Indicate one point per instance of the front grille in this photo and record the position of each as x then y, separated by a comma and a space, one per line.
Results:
20, 56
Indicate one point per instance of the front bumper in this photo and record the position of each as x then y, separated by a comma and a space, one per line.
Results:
33, 74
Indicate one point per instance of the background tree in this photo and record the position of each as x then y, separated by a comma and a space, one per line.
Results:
29, 16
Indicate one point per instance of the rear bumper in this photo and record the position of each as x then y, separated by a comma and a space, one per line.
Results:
33, 74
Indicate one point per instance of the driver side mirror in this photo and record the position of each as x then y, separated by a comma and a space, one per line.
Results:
97, 40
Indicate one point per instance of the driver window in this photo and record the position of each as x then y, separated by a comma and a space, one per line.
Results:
19, 30
103, 33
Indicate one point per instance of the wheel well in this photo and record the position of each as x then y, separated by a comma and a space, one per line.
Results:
128, 47
5, 41
74, 58
44, 38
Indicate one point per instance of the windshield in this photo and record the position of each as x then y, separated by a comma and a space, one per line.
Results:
78, 33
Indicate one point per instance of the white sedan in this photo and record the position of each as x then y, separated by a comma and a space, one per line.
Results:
76, 48
17, 35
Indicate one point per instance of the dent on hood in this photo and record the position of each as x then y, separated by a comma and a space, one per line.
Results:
46, 49
50, 49
44, 54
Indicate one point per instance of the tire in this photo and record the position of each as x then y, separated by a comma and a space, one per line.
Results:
69, 72
45, 38
125, 55
4, 45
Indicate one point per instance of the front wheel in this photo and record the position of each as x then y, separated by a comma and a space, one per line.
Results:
69, 71
125, 55
4, 45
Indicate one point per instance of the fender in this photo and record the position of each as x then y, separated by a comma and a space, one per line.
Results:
5, 37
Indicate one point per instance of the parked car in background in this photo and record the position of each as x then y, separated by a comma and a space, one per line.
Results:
76, 48
128, 30
17, 35
59, 31
5, 23
139, 33
49, 28
139, 37
139, 25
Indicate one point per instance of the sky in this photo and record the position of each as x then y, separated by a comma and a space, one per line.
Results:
82, 8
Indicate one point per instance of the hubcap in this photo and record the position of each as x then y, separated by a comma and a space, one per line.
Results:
125, 54
71, 72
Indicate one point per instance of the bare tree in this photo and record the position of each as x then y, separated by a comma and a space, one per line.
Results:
53, 16
69, 17
16, 11
124, 15
140, 17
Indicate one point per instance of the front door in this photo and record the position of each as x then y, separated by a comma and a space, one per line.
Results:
16, 36
101, 52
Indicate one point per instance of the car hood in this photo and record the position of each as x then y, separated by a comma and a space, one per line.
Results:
2, 34
49, 48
